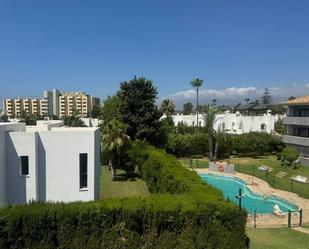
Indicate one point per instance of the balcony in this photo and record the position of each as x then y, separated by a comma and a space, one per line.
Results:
302, 121
303, 141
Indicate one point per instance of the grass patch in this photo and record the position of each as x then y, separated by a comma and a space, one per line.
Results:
250, 166
121, 188
277, 238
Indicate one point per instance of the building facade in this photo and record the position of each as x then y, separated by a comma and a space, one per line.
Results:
232, 123
76, 102
297, 127
53, 103
55, 164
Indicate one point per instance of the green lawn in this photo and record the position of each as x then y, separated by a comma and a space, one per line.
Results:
250, 166
123, 187
277, 238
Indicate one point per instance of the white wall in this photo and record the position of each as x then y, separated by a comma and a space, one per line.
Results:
4, 129
233, 123
54, 171
91, 122
61, 151
44, 125
21, 189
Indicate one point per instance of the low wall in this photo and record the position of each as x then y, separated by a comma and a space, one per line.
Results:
221, 167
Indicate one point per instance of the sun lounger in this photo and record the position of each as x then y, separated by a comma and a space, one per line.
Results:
301, 179
277, 212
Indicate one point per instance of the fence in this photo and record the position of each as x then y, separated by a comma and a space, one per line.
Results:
284, 183
288, 219
275, 181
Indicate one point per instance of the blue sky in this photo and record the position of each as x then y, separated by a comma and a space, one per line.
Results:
237, 47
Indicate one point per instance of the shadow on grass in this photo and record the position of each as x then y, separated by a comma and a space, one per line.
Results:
124, 177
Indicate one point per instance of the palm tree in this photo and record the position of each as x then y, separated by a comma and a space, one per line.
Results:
209, 118
167, 107
115, 142
247, 100
197, 83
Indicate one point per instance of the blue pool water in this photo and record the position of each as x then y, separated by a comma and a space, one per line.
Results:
251, 201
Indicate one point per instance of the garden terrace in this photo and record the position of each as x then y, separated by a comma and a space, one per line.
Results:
181, 212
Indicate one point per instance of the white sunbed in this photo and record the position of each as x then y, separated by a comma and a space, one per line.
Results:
277, 212
301, 179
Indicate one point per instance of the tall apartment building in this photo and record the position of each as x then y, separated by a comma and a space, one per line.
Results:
53, 103
297, 123
76, 102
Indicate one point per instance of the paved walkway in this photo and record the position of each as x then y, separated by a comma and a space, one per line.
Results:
260, 186
301, 229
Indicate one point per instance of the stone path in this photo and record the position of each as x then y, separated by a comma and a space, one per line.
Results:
301, 229
281, 174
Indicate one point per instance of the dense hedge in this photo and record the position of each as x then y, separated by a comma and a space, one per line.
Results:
186, 145
251, 144
183, 212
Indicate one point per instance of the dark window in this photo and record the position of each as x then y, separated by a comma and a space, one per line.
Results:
303, 113
24, 165
263, 126
303, 132
83, 170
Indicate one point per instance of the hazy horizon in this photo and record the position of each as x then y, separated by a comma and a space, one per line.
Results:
238, 48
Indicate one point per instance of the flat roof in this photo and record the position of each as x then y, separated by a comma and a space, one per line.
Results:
304, 100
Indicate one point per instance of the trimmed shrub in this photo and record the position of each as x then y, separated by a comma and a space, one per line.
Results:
182, 213
251, 144
187, 145
290, 155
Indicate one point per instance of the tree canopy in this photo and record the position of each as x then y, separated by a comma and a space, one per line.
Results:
138, 109
167, 107
73, 121
111, 108
187, 108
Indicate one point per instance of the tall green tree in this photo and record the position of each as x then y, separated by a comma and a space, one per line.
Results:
167, 107
95, 112
209, 117
197, 83
187, 108
115, 143
110, 108
138, 108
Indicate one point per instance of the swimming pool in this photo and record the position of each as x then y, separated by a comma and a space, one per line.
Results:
251, 201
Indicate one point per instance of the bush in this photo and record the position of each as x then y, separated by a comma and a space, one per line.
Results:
290, 155
182, 213
187, 145
251, 144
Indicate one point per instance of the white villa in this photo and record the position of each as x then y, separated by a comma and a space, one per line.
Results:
48, 163
233, 123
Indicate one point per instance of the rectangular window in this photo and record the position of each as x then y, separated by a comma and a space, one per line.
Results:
83, 170
24, 165
303, 132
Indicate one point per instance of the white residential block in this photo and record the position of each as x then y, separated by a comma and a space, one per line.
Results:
61, 164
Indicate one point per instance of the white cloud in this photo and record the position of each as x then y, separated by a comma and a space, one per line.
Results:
234, 95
